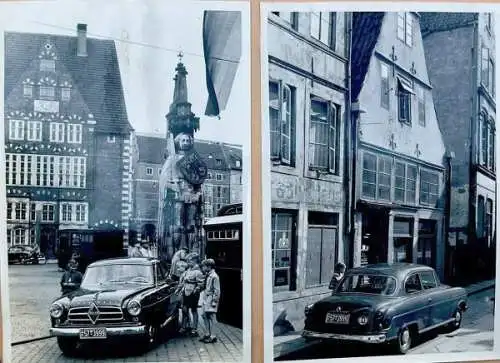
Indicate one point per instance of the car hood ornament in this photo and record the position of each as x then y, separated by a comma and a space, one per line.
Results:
93, 313
338, 309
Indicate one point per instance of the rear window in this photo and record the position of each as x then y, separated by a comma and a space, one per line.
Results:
368, 284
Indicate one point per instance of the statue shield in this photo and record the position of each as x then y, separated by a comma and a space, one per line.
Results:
192, 168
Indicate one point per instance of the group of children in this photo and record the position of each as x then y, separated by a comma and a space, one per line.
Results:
199, 287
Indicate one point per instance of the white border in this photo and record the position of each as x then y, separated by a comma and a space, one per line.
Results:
266, 169
244, 8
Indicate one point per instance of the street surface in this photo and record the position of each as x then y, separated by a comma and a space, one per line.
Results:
475, 335
32, 290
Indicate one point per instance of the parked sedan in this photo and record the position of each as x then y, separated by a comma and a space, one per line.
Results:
25, 254
386, 303
125, 297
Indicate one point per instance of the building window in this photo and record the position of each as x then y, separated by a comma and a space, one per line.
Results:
289, 16
48, 211
56, 132
421, 105
149, 171
19, 236
321, 248
9, 211
47, 91
20, 211
429, 187
65, 94
322, 27
487, 71
80, 213
487, 140
489, 22
47, 65
218, 162
489, 221
238, 163
219, 176
111, 139
481, 230
405, 183
74, 134
16, 130
159, 171
34, 131
404, 100
376, 177
405, 28
28, 90
281, 117
323, 136
384, 86
283, 250
66, 212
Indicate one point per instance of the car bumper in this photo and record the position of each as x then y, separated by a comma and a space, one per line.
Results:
115, 331
374, 339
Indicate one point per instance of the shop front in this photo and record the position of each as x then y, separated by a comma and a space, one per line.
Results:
399, 235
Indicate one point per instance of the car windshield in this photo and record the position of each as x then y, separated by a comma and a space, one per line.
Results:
368, 284
97, 277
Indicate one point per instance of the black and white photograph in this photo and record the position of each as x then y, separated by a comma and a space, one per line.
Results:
379, 214
126, 156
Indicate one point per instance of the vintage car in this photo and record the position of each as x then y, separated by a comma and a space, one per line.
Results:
386, 303
122, 297
25, 254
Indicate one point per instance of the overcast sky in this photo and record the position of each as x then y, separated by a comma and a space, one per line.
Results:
147, 68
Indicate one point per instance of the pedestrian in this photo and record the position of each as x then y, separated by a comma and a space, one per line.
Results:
134, 250
179, 264
338, 274
71, 279
191, 283
210, 300
145, 250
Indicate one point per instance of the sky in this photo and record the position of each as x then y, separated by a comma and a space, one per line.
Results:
149, 36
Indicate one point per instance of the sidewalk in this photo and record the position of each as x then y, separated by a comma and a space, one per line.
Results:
229, 348
289, 343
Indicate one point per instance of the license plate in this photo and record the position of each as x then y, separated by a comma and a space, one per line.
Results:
93, 333
337, 318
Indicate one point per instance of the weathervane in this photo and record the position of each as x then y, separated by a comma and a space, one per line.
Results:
180, 55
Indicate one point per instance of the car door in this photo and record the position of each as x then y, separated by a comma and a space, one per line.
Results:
165, 291
418, 308
434, 296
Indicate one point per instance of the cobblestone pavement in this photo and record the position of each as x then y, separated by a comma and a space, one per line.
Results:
34, 287
475, 335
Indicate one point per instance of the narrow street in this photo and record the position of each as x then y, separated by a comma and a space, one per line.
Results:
475, 334
32, 290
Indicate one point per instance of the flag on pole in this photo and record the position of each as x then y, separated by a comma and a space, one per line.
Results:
222, 51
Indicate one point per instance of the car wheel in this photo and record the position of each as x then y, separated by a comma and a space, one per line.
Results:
404, 340
67, 345
457, 320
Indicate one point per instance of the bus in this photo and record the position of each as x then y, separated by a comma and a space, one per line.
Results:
223, 243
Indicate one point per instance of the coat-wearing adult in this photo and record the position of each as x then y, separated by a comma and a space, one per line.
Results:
211, 294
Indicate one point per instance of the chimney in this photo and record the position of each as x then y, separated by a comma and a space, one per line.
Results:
81, 50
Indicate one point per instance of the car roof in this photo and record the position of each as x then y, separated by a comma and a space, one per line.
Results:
124, 261
390, 269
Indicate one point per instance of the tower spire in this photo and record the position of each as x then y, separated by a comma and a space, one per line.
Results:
180, 118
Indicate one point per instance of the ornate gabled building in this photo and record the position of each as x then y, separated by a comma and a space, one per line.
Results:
399, 199
67, 141
464, 89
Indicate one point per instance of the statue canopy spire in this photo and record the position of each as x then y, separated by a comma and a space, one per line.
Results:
180, 118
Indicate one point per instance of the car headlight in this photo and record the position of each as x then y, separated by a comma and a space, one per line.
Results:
56, 310
363, 320
134, 307
308, 309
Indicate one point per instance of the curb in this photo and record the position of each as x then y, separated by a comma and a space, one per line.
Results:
32, 340
481, 288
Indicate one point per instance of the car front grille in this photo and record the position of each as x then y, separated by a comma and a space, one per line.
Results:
107, 315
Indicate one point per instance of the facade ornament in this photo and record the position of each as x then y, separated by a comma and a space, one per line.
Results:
392, 142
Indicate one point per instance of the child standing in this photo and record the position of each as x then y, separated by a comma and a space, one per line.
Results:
210, 300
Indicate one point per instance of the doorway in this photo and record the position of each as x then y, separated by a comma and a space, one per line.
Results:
375, 228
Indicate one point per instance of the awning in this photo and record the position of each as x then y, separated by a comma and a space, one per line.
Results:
405, 85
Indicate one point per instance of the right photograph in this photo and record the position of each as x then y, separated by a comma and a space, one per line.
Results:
379, 183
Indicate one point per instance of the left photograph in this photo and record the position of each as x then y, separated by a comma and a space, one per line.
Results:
126, 176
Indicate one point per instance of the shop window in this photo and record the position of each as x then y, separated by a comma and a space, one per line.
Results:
321, 248
403, 239
283, 250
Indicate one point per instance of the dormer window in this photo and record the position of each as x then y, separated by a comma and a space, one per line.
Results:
28, 90
47, 91
218, 162
47, 65
65, 94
